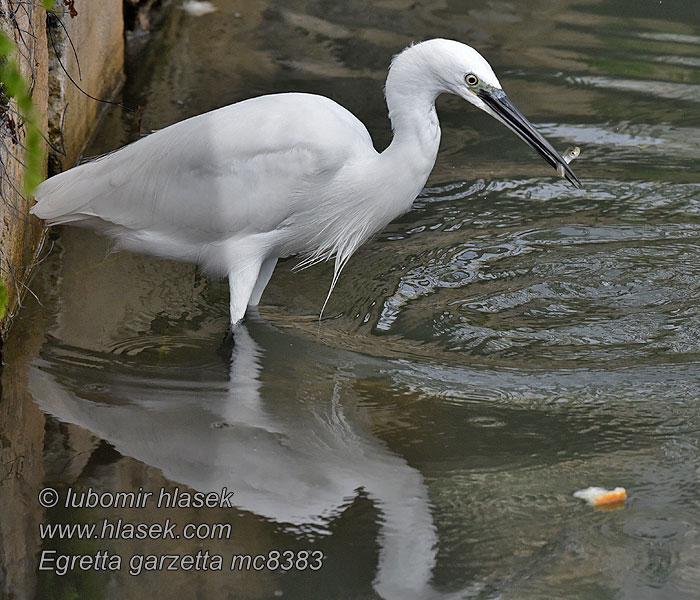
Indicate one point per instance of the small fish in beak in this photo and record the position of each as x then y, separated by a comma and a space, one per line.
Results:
507, 113
570, 154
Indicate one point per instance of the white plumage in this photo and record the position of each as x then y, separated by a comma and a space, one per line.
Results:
239, 187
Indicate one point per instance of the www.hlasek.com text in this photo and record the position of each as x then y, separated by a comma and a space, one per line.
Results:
120, 529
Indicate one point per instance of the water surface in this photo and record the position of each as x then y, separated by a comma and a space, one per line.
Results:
509, 341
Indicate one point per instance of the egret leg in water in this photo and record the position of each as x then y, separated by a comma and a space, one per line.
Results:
237, 188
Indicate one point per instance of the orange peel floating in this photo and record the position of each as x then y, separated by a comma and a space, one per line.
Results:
600, 497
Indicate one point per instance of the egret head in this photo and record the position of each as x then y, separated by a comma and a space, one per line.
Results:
458, 69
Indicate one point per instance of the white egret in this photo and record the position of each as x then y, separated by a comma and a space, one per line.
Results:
237, 188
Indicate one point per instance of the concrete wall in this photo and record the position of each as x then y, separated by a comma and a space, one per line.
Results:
18, 233
48, 60
97, 34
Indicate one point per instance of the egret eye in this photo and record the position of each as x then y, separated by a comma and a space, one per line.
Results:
471, 79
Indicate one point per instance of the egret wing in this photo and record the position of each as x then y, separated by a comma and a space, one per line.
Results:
242, 168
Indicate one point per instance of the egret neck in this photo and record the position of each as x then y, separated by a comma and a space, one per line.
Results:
410, 157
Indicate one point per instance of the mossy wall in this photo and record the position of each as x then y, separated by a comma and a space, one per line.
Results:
25, 23
70, 56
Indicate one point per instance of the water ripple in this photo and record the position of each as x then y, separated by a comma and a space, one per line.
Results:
533, 270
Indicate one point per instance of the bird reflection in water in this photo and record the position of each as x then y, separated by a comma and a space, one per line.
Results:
299, 462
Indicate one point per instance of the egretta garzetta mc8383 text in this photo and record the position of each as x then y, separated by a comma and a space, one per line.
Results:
237, 188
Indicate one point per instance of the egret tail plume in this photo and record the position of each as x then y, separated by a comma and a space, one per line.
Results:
340, 263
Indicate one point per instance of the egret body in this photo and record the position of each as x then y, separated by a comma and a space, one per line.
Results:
237, 188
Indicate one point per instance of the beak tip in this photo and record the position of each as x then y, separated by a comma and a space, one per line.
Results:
566, 172
505, 111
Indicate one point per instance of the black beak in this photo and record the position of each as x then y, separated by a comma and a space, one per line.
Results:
506, 112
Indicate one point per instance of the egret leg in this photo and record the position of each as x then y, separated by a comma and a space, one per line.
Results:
229, 340
266, 271
241, 282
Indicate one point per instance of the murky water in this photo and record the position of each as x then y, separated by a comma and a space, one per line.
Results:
509, 341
